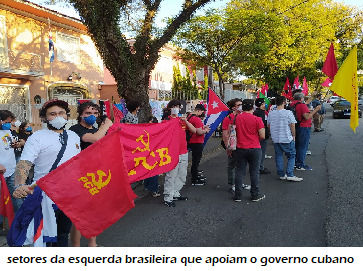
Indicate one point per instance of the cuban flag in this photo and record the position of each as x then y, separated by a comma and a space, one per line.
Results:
35, 222
216, 112
51, 46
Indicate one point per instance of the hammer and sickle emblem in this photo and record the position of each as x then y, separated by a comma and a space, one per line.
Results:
7, 200
146, 144
100, 183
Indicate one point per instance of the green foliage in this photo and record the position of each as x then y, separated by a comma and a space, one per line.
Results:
184, 88
279, 39
206, 42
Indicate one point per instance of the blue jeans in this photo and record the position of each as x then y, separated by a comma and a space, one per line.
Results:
253, 158
289, 150
263, 144
231, 168
152, 184
302, 145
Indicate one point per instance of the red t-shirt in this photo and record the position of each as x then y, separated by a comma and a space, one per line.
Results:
247, 126
183, 140
300, 110
227, 121
197, 123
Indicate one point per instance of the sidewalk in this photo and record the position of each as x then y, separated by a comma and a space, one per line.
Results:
211, 150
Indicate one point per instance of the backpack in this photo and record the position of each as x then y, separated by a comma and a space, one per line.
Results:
187, 133
293, 110
222, 141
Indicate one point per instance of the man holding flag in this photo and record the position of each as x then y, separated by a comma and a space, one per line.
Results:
196, 142
7, 160
46, 149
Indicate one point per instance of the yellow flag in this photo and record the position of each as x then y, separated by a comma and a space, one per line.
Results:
345, 84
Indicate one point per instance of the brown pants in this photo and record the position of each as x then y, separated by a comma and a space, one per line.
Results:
318, 121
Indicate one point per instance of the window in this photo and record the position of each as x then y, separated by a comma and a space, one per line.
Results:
67, 48
4, 59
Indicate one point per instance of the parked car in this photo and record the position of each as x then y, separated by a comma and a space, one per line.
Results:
332, 100
342, 109
360, 101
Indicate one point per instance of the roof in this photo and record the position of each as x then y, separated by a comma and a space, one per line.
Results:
42, 12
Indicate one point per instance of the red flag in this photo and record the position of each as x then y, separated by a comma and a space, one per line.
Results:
288, 92
150, 148
296, 83
6, 205
117, 113
264, 89
330, 67
305, 87
81, 101
287, 85
327, 82
92, 188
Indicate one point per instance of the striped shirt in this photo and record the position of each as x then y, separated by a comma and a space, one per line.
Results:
279, 121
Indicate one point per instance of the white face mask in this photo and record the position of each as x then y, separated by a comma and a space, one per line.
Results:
17, 123
175, 111
239, 108
58, 123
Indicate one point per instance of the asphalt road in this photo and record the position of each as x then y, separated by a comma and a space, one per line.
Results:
293, 214
325, 209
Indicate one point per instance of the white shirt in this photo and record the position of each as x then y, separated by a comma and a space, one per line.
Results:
42, 149
7, 154
279, 121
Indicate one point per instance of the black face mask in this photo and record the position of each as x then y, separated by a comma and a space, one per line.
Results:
202, 115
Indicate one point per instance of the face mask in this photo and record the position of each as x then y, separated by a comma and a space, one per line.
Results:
239, 108
58, 123
202, 115
6, 126
90, 120
17, 123
175, 111
29, 129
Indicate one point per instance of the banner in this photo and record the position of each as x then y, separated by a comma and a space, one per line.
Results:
151, 148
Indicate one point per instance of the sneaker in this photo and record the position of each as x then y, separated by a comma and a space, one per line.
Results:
283, 177
201, 171
155, 194
180, 198
265, 171
198, 182
294, 179
232, 189
308, 152
268, 156
237, 198
169, 203
304, 168
258, 198
246, 186
200, 176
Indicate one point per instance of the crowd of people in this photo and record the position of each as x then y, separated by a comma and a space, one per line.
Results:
25, 157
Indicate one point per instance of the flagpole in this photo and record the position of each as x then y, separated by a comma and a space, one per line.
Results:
51, 63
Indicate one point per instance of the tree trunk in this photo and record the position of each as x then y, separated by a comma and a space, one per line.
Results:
221, 85
136, 87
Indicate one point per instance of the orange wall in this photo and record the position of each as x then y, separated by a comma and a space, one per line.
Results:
26, 34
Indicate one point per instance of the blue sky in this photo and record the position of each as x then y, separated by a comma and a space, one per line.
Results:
172, 7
